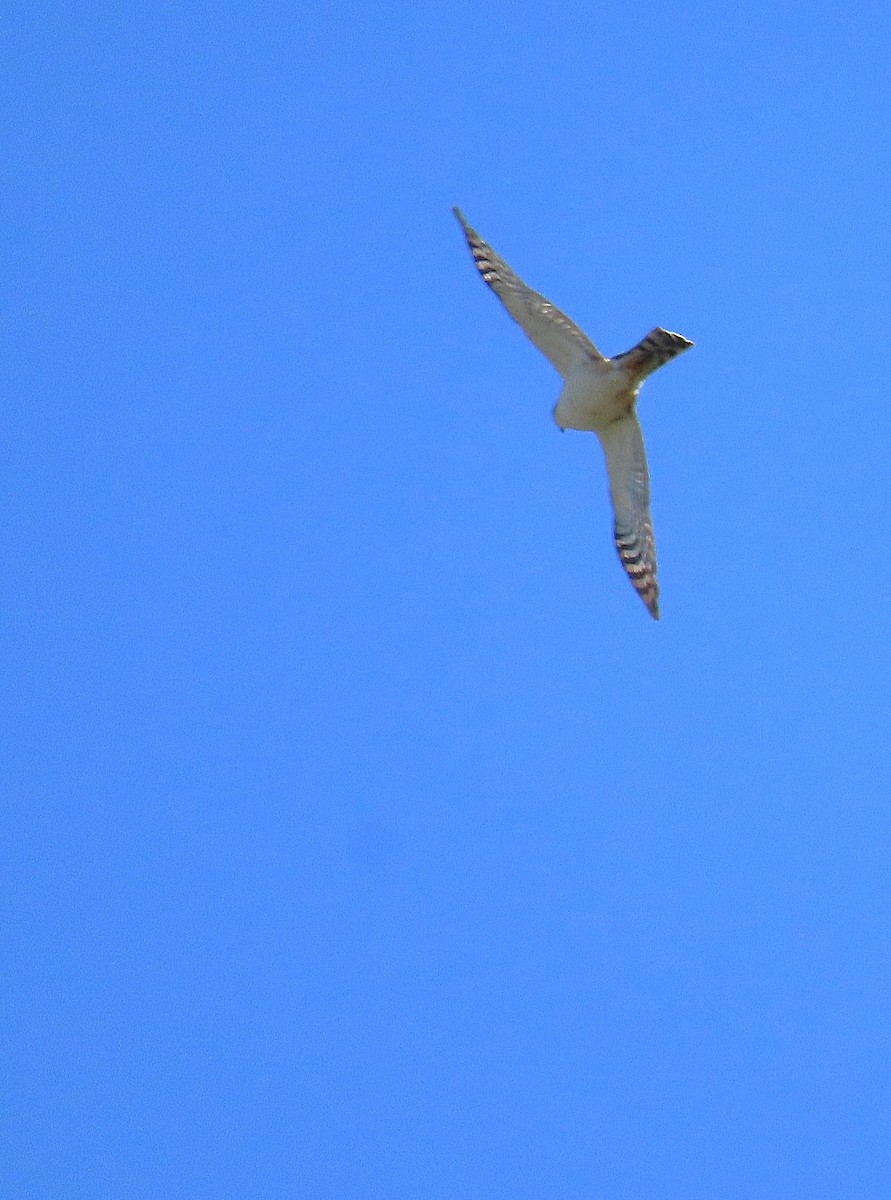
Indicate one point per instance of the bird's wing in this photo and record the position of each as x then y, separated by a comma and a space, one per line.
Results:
629, 485
559, 339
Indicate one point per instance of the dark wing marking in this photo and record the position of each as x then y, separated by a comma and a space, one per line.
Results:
559, 339
629, 485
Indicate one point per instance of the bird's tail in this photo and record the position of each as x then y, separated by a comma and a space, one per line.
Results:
654, 351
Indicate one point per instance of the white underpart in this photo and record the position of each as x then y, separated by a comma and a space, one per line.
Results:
594, 395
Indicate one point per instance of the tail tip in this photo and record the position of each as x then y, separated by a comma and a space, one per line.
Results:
676, 339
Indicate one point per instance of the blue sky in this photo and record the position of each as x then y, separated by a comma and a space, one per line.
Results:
363, 836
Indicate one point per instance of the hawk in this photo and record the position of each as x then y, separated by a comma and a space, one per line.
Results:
599, 395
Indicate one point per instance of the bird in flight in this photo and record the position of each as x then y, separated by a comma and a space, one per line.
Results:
599, 395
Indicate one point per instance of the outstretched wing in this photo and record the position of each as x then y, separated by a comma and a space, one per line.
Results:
629, 485
559, 339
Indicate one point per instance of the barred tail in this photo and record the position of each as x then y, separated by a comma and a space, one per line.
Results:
654, 351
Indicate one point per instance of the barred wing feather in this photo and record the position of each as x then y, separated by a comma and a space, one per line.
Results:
558, 338
629, 485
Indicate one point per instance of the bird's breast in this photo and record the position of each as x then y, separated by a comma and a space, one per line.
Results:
593, 397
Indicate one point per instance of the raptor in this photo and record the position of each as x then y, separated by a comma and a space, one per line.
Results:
599, 396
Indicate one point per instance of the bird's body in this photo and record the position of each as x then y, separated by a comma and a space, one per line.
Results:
594, 395
599, 396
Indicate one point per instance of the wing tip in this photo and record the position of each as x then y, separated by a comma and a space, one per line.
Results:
649, 593
647, 589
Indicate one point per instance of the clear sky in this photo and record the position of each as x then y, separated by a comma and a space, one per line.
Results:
363, 837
